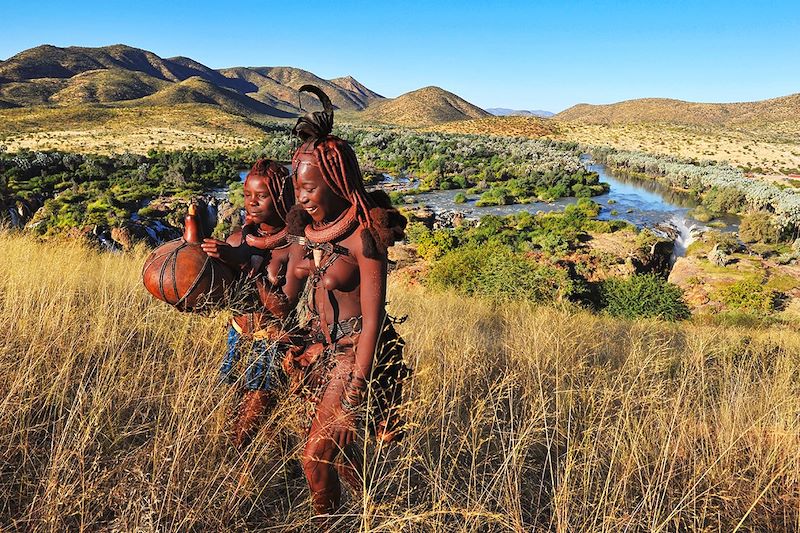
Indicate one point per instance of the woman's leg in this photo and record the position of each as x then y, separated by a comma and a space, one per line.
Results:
320, 462
254, 407
232, 354
259, 397
349, 466
319, 456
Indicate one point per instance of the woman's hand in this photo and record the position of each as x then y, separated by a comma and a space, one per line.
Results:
217, 249
232, 255
273, 299
342, 427
256, 242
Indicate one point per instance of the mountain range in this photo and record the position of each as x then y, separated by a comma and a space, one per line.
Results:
505, 112
123, 76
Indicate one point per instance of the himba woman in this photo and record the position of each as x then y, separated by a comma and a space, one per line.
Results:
257, 332
352, 355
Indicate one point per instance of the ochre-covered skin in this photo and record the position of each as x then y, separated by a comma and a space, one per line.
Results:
346, 286
352, 286
264, 256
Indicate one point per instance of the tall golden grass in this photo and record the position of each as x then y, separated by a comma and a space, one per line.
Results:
522, 418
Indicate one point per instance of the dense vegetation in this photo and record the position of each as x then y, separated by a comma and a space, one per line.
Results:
521, 257
79, 190
505, 169
552, 233
643, 296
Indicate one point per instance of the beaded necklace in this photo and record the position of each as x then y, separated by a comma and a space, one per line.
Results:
274, 240
336, 229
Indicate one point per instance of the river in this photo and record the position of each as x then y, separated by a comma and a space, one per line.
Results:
644, 203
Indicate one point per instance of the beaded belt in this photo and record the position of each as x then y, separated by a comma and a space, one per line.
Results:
339, 330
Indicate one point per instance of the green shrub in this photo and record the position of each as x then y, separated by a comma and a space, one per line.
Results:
553, 243
725, 200
749, 296
460, 198
758, 227
397, 197
496, 270
643, 296
416, 232
702, 214
495, 196
432, 245
149, 212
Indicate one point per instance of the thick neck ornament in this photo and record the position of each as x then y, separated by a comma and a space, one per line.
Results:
334, 230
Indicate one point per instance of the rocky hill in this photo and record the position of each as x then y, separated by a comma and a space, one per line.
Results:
424, 107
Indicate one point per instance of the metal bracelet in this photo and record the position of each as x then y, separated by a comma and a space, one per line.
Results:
347, 406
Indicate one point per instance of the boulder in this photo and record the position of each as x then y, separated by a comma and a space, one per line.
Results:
422, 215
123, 237
718, 257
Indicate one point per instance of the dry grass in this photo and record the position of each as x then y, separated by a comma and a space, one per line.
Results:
522, 418
771, 147
511, 126
100, 129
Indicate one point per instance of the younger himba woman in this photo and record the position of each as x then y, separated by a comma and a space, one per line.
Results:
256, 338
352, 354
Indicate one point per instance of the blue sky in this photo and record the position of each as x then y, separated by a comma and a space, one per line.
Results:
524, 55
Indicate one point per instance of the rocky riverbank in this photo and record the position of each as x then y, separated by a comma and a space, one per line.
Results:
720, 274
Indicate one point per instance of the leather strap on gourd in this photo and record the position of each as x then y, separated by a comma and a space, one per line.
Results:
172, 261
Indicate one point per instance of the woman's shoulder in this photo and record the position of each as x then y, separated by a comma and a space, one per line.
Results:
361, 244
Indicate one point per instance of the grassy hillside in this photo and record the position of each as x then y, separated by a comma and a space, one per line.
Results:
766, 149
199, 91
102, 129
521, 417
762, 135
784, 108
107, 85
770, 149
512, 126
423, 107
58, 76
49, 61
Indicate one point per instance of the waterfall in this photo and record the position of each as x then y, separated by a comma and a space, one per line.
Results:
686, 235
16, 221
212, 213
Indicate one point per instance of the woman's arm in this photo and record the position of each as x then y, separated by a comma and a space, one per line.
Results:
294, 282
373, 301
